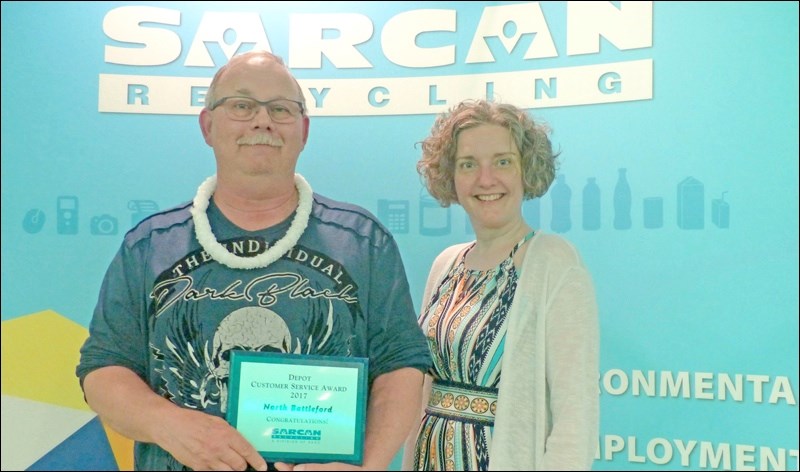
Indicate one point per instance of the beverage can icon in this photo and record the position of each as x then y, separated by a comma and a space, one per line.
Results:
721, 212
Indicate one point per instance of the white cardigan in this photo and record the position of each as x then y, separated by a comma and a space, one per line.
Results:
547, 415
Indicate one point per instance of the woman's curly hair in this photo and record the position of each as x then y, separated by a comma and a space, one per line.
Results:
437, 164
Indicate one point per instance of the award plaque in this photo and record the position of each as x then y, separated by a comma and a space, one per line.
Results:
299, 408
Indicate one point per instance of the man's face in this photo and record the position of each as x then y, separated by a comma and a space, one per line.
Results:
235, 143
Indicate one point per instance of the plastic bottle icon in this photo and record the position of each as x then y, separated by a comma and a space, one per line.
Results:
561, 196
591, 205
622, 201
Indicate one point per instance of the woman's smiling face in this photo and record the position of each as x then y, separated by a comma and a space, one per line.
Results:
488, 176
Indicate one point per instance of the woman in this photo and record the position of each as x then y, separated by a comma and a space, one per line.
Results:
511, 318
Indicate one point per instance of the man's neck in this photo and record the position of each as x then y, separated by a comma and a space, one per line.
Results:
251, 211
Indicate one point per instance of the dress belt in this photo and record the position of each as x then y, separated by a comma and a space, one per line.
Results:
463, 402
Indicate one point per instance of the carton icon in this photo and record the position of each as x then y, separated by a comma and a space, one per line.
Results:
691, 206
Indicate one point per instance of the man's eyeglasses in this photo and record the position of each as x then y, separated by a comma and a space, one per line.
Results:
281, 110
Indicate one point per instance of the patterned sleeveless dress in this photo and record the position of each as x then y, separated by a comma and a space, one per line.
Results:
465, 324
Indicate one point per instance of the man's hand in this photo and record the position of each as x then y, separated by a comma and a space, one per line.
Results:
329, 466
206, 442
197, 440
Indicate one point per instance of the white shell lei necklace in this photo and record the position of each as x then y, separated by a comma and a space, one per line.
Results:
219, 253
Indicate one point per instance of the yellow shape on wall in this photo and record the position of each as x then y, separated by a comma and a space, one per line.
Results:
40, 352
122, 447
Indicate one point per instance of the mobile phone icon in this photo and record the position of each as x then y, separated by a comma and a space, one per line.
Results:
67, 215
434, 220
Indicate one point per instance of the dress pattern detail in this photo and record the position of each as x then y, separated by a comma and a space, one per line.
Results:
465, 325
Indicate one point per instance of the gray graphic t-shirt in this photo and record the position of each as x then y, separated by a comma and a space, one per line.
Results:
173, 315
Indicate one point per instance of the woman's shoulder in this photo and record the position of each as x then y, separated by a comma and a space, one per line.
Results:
555, 248
451, 251
445, 258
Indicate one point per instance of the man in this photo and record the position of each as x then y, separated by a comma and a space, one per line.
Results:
256, 262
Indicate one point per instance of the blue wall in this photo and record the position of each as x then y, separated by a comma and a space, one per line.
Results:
695, 254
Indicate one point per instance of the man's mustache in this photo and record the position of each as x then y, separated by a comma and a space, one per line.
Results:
260, 138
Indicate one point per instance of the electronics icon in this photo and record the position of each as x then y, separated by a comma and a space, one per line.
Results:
67, 215
434, 220
103, 225
394, 214
141, 209
33, 221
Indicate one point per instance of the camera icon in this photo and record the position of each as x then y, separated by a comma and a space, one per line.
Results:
103, 225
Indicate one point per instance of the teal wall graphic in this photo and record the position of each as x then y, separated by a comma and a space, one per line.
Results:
678, 127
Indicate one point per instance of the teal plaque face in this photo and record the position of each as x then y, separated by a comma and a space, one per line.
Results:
299, 408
